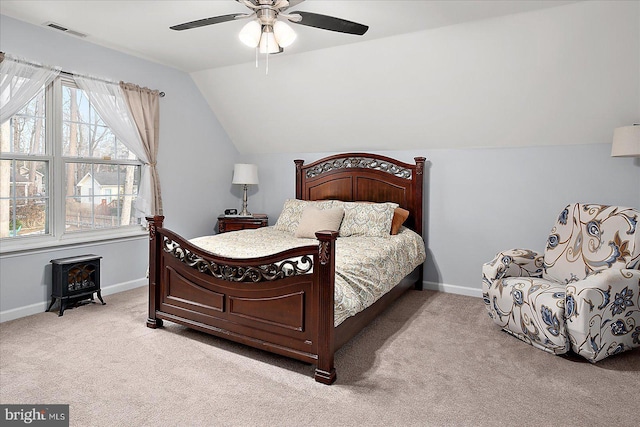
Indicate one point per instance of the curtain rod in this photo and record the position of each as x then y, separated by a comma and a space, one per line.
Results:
66, 73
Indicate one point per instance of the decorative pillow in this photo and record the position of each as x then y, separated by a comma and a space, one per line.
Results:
314, 219
292, 211
367, 219
399, 217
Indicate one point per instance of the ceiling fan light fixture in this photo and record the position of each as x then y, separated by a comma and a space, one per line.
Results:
268, 43
251, 33
284, 34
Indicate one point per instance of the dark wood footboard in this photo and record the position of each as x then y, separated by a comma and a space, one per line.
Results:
282, 303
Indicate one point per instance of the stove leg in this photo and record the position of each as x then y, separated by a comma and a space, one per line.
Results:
53, 300
99, 293
63, 305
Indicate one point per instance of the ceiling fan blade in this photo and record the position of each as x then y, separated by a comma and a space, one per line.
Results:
281, 4
249, 3
207, 21
294, 3
330, 23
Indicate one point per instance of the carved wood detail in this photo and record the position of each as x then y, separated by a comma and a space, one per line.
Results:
324, 249
152, 231
419, 165
236, 273
361, 163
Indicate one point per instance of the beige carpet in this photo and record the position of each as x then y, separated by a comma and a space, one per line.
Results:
430, 359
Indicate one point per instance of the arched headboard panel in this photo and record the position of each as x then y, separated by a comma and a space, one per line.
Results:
364, 177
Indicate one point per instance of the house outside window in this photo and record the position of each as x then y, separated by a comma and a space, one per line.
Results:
63, 172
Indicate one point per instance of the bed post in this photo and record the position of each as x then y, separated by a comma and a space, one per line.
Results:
155, 249
418, 192
299, 177
325, 371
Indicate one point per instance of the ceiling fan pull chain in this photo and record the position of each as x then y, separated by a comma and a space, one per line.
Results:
266, 70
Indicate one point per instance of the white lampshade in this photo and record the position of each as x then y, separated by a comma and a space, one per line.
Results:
250, 34
245, 174
284, 34
626, 141
268, 43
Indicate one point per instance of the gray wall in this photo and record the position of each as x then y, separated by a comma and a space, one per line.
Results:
195, 154
545, 89
481, 201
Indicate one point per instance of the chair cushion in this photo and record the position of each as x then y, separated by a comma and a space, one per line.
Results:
589, 238
531, 309
603, 313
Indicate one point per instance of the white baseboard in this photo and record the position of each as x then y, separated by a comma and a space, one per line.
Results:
40, 307
453, 289
125, 286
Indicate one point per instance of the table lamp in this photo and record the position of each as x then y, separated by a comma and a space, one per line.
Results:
626, 141
245, 174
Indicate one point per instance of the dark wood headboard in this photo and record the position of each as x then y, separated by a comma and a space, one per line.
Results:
356, 177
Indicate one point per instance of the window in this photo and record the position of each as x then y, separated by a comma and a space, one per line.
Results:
63, 171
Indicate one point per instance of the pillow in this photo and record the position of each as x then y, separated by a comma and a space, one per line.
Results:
314, 219
367, 219
399, 217
292, 211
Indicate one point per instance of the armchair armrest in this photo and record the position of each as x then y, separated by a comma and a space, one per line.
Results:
513, 263
603, 313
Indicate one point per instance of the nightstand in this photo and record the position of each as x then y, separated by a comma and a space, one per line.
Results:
234, 223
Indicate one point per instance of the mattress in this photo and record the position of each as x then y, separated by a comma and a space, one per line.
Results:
366, 267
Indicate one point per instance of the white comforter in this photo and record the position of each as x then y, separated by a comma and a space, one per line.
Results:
366, 267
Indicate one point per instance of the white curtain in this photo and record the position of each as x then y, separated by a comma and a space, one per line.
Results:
19, 83
109, 102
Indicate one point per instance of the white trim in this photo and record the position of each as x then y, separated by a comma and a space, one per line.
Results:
125, 286
453, 289
37, 308
81, 240
41, 307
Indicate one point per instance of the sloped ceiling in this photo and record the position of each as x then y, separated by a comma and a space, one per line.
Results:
428, 74
566, 75
141, 27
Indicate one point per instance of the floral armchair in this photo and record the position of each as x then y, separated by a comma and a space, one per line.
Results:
581, 294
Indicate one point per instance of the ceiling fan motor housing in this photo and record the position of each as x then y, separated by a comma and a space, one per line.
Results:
267, 15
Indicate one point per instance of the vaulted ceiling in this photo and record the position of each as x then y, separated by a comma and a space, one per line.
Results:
427, 74
141, 28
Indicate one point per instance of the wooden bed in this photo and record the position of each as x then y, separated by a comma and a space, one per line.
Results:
257, 302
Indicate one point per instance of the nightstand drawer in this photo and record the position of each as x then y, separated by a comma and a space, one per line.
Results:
227, 223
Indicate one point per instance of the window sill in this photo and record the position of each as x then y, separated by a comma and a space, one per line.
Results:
43, 244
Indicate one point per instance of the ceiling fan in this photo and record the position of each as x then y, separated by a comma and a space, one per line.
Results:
269, 32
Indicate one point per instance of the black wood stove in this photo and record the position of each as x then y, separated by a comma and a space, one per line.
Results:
75, 279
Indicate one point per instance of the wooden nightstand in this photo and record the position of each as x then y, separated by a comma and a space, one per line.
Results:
233, 223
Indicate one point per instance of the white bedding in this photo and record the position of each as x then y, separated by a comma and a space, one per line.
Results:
366, 267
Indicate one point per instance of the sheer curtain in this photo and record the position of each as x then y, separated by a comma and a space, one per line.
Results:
144, 106
19, 82
108, 100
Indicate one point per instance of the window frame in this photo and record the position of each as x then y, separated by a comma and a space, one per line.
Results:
56, 180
